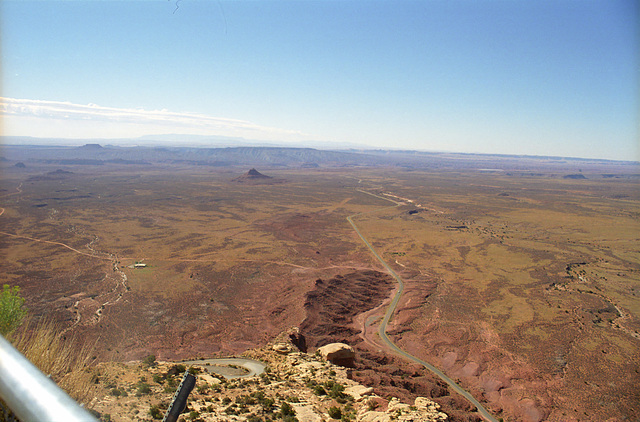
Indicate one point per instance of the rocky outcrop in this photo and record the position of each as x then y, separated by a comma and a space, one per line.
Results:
298, 340
296, 384
282, 348
423, 410
338, 354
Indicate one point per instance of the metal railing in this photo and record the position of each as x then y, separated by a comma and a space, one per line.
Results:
31, 395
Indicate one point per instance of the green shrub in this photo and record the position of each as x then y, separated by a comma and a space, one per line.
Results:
336, 391
155, 412
286, 409
335, 412
143, 388
117, 392
12, 310
267, 404
319, 391
149, 360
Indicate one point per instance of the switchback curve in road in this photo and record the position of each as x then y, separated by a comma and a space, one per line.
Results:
254, 367
391, 309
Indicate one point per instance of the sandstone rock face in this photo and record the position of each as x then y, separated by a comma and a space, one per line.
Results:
338, 354
298, 340
306, 412
358, 392
424, 410
282, 348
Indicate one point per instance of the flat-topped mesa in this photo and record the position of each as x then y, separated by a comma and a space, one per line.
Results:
93, 147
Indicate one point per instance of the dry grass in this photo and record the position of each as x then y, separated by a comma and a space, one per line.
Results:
65, 359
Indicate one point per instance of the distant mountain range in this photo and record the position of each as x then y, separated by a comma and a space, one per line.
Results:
173, 140
97, 153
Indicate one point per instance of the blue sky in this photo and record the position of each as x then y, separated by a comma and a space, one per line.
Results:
514, 77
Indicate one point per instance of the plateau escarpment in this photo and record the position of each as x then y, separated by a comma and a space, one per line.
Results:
342, 309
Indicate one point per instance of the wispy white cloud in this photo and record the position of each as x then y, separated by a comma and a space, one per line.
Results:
155, 121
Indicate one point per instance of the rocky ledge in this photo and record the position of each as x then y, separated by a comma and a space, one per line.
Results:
295, 386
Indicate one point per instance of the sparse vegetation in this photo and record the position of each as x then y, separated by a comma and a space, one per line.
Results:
149, 360
143, 388
65, 359
286, 410
12, 310
117, 392
155, 412
335, 412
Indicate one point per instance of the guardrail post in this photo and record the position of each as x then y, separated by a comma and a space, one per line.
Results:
179, 402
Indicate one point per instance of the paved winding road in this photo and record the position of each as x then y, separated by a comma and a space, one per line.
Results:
391, 309
217, 366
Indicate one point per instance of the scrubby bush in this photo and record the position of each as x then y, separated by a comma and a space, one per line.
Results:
335, 412
319, 391
149, 360
336, 391
117, 392
286, 409
267, 404
143, 388
12, 311
155, 412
